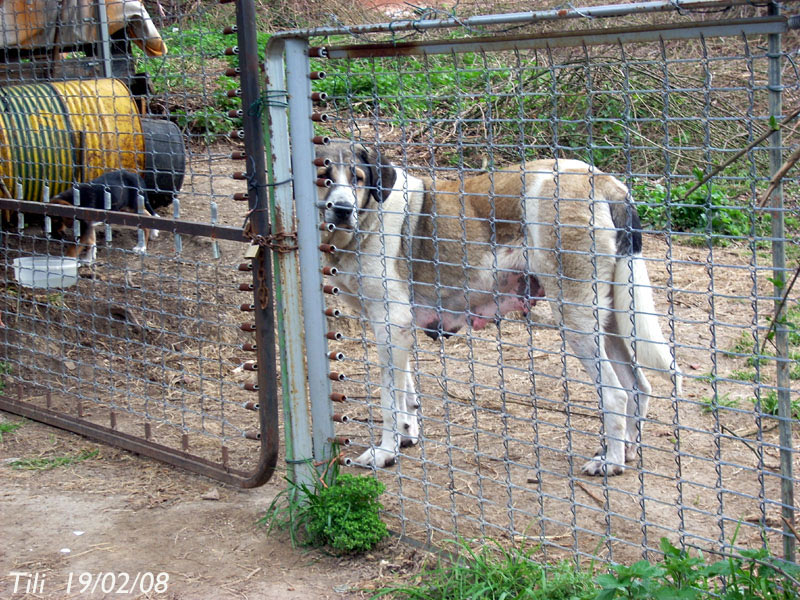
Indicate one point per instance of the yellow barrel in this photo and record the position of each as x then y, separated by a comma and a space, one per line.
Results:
58, 133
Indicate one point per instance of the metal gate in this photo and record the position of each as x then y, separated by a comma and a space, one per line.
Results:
507, 415
168, 353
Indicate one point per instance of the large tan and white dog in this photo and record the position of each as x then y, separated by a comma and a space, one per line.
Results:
441, 255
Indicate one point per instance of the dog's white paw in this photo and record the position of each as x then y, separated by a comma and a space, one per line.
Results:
88, 258
599, 466
154, 234
376, 457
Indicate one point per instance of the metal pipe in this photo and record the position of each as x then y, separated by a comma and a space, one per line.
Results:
308, 241
620, 35
220, 232
524, 18
287, 289
259, 219
782, 364
105, 38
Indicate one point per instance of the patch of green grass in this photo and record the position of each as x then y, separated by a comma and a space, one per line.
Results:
743, 375
769, 404
47, 463
5, 369
340, 512
495, 573
197, 50
8, 427
724, 400
531, 108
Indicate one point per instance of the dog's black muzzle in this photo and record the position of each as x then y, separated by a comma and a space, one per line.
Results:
342, 213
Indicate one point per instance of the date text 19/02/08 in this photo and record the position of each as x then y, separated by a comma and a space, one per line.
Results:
89, 583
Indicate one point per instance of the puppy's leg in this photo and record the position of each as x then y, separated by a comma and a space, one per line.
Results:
393, 335
141, 247
89, 241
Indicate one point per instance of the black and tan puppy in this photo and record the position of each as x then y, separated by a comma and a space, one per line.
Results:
125, 187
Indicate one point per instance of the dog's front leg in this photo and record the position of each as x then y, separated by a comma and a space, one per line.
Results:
410, 417
398, 398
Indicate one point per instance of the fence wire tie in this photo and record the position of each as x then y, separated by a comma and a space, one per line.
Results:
268, 99
583, 14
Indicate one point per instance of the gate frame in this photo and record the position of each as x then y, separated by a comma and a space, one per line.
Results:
292, 79
263, 310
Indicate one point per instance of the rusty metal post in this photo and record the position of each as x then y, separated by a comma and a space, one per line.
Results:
259, 218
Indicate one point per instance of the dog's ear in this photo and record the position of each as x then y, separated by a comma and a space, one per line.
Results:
381, 174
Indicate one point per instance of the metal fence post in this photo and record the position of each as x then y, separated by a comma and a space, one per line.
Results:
308, 240
783, 382
287, 289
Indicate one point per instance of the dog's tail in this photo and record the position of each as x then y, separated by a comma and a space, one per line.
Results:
634, 308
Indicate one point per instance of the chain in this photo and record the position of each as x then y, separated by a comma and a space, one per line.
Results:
276, 243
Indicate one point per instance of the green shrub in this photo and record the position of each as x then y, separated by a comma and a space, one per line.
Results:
346, 516
341, 512
710, 209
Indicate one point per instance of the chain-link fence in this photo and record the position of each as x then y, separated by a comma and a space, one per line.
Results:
141, 341
487, 290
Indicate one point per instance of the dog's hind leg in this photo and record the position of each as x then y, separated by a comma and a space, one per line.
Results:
582, 317
613, 402
636, 387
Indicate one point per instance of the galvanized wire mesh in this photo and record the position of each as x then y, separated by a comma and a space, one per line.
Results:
508, 415
147, 345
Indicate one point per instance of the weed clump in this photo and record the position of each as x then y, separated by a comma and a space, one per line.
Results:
339, 511
494, 572
346, 515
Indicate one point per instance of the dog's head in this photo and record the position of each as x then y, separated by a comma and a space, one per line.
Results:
63, 227
355, 177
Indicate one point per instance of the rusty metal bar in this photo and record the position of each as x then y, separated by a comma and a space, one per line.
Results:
219, 232
133, 443
621, 35
523, 18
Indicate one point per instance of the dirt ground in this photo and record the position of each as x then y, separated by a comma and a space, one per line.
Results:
121, 513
